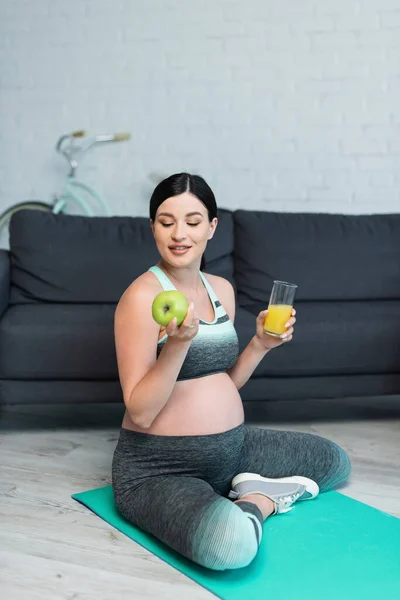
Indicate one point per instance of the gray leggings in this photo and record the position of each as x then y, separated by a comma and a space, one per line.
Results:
176, 487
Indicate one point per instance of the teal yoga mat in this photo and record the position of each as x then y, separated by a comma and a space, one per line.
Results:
331, 548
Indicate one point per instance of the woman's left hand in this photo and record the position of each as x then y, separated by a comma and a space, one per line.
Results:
268, 342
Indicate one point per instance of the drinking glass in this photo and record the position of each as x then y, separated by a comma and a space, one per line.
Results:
280, 307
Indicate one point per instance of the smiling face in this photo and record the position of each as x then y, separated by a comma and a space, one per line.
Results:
181, 229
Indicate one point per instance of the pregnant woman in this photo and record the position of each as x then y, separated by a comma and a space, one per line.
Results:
186, 468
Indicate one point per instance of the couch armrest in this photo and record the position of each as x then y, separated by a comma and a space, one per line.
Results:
4, 280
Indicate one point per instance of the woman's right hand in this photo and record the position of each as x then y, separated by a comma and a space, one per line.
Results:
186, 330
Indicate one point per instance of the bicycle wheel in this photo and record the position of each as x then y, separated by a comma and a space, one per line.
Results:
30, 204
71, 188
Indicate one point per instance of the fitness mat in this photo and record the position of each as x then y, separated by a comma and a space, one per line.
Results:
332, 547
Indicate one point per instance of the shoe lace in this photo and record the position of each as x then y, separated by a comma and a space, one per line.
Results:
287, 501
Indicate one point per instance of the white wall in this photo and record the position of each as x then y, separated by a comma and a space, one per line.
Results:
280, 104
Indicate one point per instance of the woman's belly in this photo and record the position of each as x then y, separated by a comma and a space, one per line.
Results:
200, 406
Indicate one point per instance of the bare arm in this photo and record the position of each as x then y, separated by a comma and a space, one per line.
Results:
152, 393
147, 383
259, 345
245, 365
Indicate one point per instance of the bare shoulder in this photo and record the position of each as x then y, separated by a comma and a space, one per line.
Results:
219, 283
224, 291
145, 286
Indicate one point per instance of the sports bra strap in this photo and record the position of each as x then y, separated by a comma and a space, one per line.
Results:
166, 283
210, 291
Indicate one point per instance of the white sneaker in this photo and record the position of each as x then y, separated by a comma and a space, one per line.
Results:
283, 492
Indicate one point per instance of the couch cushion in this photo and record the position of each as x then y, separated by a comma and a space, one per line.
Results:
68, 258
76, 342
332, 338
330, 257
58, 341
4, 280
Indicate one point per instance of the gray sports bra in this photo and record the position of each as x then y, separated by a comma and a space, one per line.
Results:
215, 348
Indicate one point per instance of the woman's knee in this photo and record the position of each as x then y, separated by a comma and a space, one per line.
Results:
344, 468
226, 539
340, 469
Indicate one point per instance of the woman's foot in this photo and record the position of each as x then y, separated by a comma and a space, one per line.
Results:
283, 492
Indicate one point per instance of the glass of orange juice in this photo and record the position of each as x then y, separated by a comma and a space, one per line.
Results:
279, 308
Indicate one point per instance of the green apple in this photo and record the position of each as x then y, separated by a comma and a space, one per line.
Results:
168, 305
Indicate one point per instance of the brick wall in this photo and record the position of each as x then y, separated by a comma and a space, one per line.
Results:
279, 104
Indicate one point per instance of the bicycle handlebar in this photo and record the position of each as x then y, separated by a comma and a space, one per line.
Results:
72, 151
119, 137
79, 133
116, 137
110, 137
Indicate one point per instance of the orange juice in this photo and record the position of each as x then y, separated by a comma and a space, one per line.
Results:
278, 315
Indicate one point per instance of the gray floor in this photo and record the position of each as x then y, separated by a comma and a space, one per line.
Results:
53, 548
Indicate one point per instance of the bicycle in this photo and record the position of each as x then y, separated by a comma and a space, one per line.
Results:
71, 191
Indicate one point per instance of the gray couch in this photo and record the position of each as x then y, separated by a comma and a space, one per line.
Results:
63, 275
